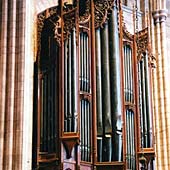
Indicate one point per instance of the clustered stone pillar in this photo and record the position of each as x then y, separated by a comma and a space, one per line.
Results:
161, 93
16, 85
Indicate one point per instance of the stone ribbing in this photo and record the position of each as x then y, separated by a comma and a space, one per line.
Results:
161, 93
16, 85
3, 54
10, 87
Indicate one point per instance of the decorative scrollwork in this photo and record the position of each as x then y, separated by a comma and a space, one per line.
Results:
85, 17
126, 34
40, 25
142, 41
57, 32
102, 8
69, 18
152, 61
52, 15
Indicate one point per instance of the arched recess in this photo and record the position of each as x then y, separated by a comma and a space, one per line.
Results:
46, 96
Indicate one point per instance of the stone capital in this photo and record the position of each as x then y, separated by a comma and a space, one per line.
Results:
159, 16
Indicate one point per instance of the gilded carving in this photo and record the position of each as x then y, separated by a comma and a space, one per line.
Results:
126, 34
50, 14
69, 18
40, 25
102, 9
85, 17
142, 42
57, 32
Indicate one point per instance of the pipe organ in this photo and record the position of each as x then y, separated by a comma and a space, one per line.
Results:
129, 102
85, 92
145, 102
94, 101
70, 93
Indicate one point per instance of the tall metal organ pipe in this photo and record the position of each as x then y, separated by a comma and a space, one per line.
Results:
140, 105
116, 101
145, 102
70, 78
128, 74
148, 101
74, 83
65, 85
130, 139
99, 95
145, 126
85, 119
107, 150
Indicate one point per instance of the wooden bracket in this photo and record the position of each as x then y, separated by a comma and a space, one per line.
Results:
69, 142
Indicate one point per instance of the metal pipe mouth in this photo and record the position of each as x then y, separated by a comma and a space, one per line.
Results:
142, 159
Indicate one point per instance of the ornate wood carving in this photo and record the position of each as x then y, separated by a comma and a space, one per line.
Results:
69, 19
152, 61
143, 45
126, 34
69, 142
102, 9
85, 17
40, 25
142, 42
52, 15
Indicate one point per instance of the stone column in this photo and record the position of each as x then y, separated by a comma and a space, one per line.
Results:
10, 87
162, 93
16, 85
3, 54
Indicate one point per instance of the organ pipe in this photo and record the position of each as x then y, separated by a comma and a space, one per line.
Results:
82, 130
99, 84
65, 85
85, 62
144, 104
85, 104
115, 85
88, 63
125, 73
106, 80
74, 81
148, 101
106, 94
81, 62
99, 95
140, 105
69, 104
89, 132
128, 74
130, 139
85, 130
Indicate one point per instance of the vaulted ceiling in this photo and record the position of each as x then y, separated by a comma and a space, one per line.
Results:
41, 5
